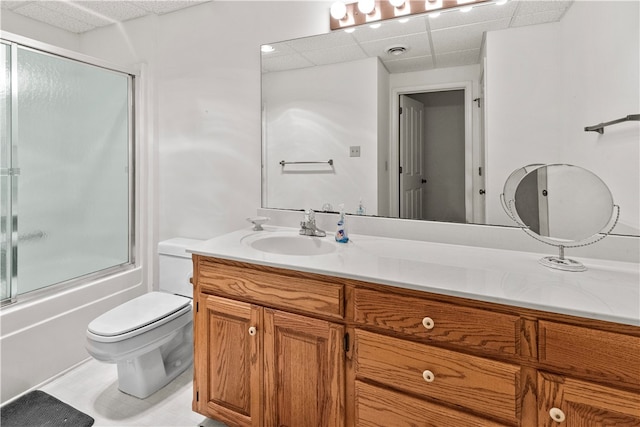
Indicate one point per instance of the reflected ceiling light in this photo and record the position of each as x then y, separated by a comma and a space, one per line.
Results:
501, 2
434, 15
376, 25
349, 30
339, 10
265, 48
366, 6
466, 9
403, 20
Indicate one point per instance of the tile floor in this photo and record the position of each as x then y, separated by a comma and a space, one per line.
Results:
92, 388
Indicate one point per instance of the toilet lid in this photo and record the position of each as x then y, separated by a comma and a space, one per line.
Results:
139, 312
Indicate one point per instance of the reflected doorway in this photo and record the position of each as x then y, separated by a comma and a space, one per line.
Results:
433, 150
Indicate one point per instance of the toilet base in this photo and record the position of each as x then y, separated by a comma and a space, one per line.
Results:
144, 375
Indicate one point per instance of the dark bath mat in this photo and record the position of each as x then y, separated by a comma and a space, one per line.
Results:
39, 409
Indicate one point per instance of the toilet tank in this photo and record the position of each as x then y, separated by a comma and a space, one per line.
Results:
175, 266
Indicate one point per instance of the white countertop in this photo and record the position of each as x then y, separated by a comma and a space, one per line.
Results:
608, 290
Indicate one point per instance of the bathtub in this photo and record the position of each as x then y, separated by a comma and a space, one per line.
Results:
44, 336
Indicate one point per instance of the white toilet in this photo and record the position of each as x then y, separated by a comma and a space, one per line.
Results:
150, 337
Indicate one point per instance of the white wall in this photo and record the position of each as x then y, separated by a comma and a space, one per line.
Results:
560, 86
316, 114
204, 66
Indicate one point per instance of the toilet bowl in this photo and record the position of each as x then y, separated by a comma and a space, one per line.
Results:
150, 338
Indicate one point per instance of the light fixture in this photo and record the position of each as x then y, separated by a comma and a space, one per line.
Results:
348, 15
339, 10
366, 6
266, 48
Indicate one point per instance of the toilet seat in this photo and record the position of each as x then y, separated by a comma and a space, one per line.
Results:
137, 316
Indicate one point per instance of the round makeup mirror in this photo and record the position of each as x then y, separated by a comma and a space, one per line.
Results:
561, 205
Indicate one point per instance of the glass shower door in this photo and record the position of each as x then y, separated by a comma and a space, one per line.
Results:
6, 181
71, 145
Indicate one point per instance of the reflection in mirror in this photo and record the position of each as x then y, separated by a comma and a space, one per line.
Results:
530, 86
561, 205
508, 195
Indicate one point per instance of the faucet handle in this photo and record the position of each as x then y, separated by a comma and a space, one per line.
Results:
309, 215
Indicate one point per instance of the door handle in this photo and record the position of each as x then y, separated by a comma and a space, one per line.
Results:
482, 191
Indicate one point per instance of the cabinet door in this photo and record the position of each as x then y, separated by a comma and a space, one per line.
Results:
228, 362
574, 403
304, 371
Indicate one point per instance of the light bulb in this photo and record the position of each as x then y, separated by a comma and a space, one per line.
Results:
338, 10
366, 6
397, 3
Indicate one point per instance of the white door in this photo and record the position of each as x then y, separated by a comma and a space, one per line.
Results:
411, 158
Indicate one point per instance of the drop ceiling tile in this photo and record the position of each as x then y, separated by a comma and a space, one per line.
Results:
407, 65
538, 18
118, 10
531, 7
390, 29
77, 12
416, 44
323, 41
465, 37
160, 7
280, 49
285, 62
480, 13
458, 58
57, 19
12, 4
336, 54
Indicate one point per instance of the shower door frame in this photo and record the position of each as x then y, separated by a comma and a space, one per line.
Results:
14, 41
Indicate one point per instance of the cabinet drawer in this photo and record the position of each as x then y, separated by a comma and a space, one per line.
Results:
378, 407
290, 290
437, 321
590, 353
484, 386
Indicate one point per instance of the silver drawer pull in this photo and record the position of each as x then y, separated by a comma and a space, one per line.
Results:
428, 376
557, 415
252, 330
428, 323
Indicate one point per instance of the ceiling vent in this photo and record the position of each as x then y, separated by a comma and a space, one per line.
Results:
396, 50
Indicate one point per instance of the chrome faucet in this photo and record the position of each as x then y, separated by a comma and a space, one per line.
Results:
308, 226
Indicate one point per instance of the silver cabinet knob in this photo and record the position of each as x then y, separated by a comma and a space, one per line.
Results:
252, 330
428, 376
557, 415
428, 323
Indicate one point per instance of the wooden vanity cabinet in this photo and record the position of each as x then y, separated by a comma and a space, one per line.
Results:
277, 347
256, 365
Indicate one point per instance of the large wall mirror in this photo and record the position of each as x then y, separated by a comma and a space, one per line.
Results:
426, 119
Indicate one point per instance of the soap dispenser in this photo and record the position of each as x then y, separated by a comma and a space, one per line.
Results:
341, 230
361, 209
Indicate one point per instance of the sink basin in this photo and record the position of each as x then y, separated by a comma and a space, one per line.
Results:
289, 244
